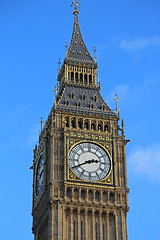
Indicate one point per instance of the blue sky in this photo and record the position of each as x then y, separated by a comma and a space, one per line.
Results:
32, 38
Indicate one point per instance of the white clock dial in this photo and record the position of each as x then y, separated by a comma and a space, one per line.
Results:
89, 161
40, 175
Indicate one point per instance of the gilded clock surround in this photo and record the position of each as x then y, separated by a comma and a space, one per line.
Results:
69, 208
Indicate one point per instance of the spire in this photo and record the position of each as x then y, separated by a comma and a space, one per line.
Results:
78, 51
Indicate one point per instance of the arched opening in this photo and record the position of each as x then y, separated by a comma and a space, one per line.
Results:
68, 192
90, 195
85, 79
100, 126
76, 193
90, 79
72, 95
83, 97
106, 127
76, 77
67, 102
103, 107
81, 78
93, 126
97, 196
83, 194
86, 125
80, 123
73, 123
79, 104
104, 197
111, 197
67, 121
95, 98
92, 106
72, 76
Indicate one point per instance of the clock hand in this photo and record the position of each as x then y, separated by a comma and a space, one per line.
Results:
41, 173
86, 162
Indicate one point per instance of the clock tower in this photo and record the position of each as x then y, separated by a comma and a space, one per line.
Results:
79, 165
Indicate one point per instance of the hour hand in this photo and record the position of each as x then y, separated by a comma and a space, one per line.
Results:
86, 162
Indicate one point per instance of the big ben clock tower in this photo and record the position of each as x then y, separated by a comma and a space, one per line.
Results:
79, 166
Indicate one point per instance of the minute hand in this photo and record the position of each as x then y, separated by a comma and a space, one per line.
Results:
87, 162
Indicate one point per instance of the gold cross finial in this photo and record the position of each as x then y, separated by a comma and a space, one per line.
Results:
59, 63
116, 99
41, 122
76, 7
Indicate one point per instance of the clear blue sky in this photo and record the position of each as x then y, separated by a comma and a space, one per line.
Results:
32, 38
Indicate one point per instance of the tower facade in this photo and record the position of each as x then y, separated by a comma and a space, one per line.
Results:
79, 166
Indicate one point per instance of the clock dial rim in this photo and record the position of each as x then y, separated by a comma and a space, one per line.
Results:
103, 174
40, 159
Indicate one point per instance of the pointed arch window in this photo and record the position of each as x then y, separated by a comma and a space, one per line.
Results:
73, 123
90, 79
72, 76
92, 106
76, 77
85, 78
80, 123
97, 195
111, 197
81, 78
67, 102
68, 192
103, 107
84, 97
95, 98
72, 95
79, 104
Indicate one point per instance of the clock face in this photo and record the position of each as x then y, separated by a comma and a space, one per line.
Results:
40, 175
89, 161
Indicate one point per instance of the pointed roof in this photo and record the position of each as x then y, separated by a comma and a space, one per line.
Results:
78, 51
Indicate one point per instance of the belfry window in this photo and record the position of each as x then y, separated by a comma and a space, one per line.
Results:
76, 77
85, 79
81, 78
72, 76
82, 230
73, 123
80, 123
90, 79
86, 125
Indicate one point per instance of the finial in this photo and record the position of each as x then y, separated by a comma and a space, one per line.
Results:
41, 122
76, 6
55, 91
122, 127
66, 46
59, 63
116, 99
95, 56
